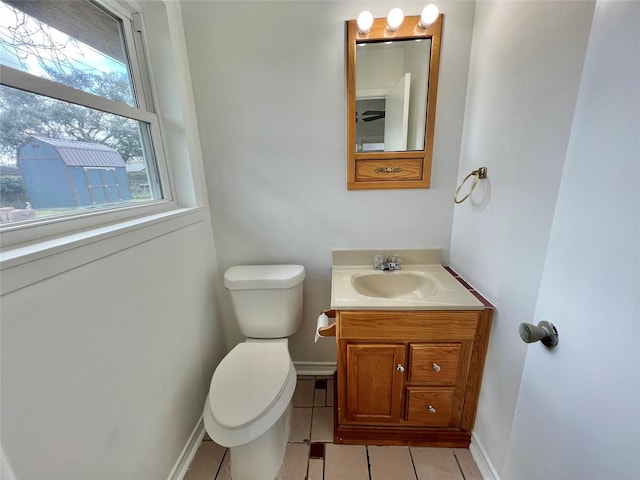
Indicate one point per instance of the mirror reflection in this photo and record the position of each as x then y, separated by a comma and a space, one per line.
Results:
391, 95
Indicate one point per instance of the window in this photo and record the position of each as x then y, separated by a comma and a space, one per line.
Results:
78, 131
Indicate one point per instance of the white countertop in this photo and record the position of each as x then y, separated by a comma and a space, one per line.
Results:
445, 292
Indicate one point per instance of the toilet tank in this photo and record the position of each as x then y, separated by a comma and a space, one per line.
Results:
267, 299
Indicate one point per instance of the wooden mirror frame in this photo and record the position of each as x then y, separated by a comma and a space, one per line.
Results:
387, 170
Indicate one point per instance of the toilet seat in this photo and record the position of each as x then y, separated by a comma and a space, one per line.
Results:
250, 389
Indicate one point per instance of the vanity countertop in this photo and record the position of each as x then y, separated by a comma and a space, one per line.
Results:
438, 289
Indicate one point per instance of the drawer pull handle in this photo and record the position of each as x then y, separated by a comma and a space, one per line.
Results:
436, 367
388, 169
431, 409
400, 368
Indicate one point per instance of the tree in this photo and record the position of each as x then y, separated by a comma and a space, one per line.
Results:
24, 114
12, 192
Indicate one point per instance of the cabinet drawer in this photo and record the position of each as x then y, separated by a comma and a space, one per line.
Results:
432, 407
389, 170
435, 364
398, 325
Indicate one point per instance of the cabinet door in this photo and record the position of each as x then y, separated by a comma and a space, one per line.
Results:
374, 382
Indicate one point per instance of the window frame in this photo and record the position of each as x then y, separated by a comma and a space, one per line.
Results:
17, 233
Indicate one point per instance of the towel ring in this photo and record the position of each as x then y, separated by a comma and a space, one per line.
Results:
478, 174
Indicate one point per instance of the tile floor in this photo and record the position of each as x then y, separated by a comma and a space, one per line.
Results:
311, 455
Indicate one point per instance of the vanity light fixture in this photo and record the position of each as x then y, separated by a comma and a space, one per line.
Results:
365, 21
394, 19
429, 15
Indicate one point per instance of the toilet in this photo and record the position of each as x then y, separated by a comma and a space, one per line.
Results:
248, 408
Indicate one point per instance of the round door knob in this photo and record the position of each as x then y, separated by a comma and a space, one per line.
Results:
436, 367
431, 409
545, 332
400, 368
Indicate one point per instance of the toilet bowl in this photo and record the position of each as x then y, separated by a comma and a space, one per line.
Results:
248, 408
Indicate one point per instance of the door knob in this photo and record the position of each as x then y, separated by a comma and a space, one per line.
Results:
432, 410
400, 368
545, 332
436, 367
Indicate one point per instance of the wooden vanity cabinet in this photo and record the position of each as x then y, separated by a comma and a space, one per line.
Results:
409, 377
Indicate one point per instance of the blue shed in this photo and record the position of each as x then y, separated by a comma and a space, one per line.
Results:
67, 174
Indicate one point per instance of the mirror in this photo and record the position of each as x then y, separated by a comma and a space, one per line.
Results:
391, 100
392, 80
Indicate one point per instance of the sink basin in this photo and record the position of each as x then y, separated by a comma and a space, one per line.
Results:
393, 284
415, 287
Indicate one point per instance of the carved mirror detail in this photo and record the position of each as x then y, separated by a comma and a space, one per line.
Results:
392, 81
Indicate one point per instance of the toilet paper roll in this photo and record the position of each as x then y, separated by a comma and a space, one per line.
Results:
323, 321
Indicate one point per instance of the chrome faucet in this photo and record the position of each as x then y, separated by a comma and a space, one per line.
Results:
389, 264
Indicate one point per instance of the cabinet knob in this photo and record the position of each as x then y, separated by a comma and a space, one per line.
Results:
436, 367
431, 409
400, 368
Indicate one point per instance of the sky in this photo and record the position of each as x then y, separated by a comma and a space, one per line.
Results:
82, 56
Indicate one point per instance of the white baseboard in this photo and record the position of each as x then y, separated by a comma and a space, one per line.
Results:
188, 452
315, 368
482, 460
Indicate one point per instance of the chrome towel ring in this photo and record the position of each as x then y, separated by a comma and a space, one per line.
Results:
478, 174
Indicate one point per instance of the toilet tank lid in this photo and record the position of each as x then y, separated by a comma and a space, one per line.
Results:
246, 277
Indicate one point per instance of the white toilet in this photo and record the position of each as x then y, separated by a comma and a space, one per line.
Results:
248, 408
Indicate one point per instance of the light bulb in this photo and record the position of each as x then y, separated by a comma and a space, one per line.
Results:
428, 16
394, 19
365, 20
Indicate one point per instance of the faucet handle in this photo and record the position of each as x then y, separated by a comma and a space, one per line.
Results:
396, 262
378, 262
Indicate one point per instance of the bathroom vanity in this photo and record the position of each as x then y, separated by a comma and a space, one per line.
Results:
411, 350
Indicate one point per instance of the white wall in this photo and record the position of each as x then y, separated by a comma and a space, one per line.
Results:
106, 364
105, 367
270, 93
525, 70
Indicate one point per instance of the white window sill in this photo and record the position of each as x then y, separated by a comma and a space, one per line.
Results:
25, 265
